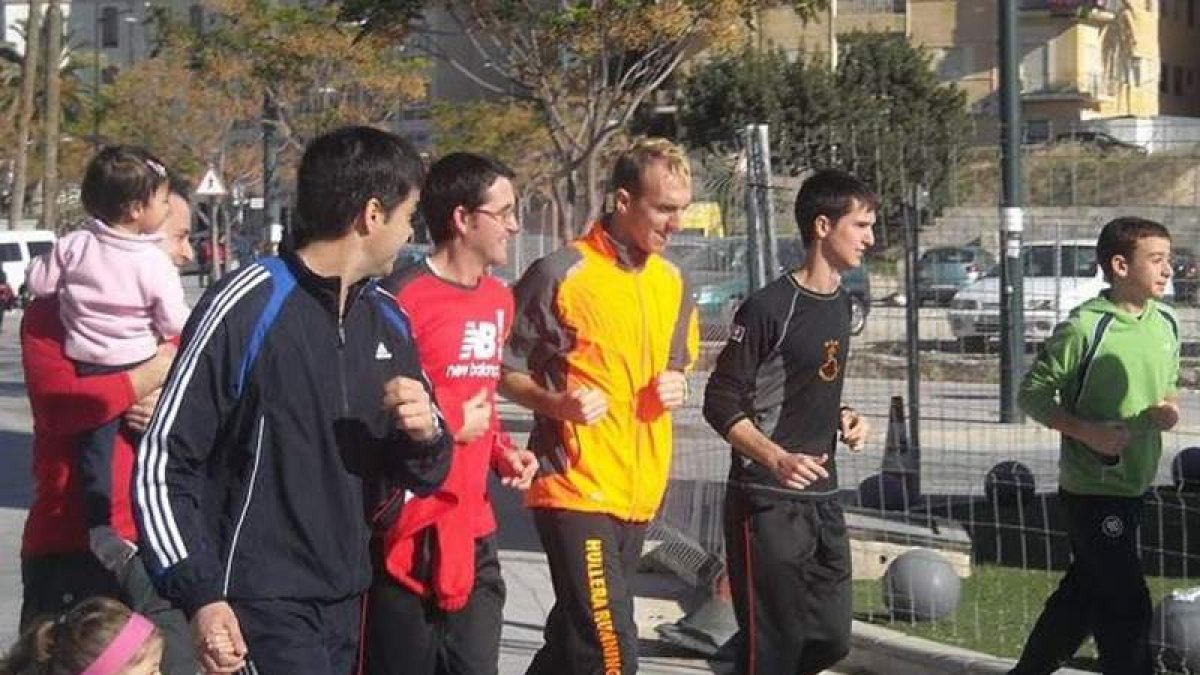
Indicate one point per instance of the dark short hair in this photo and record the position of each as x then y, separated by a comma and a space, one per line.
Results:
1120, 237
117, 178
458, 179
179, 185
831, 193
343, 170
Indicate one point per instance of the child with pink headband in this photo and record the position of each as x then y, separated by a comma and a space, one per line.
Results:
99, 636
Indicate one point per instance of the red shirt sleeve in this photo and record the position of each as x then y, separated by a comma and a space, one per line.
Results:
64, 403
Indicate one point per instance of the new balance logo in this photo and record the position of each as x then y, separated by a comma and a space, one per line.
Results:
479, 341
382, 353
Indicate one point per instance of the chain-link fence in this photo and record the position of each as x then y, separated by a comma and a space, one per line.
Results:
1002, 535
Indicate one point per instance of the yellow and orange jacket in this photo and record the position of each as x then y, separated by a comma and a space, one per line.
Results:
594, 314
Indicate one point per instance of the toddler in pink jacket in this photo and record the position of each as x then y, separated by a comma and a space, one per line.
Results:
119, 297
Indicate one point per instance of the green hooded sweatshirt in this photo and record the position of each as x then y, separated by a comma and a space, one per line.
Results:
1104, 363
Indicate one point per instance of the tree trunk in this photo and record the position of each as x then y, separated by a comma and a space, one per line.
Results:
25, 113
562, 211
593, 200
53, 113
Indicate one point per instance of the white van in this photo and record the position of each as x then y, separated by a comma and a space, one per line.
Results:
17, 248
1058, 277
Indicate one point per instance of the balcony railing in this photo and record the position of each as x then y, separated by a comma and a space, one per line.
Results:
1071, 7
1087, 86
871, 6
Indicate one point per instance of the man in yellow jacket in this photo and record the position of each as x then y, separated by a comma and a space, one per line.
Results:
603, 332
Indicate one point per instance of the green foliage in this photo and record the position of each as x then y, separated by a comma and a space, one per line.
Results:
883, 114
584, 67
510, 131
319, 73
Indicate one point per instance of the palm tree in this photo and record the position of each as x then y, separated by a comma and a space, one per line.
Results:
25, 113
52, 114
74, 96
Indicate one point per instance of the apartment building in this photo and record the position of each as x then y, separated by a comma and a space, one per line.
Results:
1081, 60
116, 29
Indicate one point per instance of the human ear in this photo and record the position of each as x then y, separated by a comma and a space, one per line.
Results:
622, 199
371, 216
1120, 265
822, 226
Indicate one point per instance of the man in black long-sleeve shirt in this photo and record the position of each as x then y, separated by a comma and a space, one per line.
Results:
775, 395
297, 387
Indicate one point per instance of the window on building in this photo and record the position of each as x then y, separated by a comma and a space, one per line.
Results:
1178, 81
1135, 71
1164, 78
1037, 131
196, 18
110, 27
952, 63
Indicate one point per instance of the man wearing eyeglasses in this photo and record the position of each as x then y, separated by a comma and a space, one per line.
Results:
436, 603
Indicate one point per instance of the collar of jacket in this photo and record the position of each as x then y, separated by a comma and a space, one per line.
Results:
324, 289
600, 237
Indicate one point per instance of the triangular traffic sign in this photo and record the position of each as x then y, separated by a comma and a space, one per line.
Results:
211, 185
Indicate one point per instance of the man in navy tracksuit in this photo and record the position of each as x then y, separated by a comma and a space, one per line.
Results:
296, 389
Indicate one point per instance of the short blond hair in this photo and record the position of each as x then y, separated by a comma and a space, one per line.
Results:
632, 162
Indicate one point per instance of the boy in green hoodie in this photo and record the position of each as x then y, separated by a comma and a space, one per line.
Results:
1106, 380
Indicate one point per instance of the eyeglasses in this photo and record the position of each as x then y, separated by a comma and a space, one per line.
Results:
508, 216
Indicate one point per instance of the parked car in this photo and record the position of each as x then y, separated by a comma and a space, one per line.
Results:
1099, 140
1186, 270
717, 270
17, 248
1058, 277
943, 271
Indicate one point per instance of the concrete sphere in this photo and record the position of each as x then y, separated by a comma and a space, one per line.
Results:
1175, 633
1008, 484
921, 585
883, 491
1185, 470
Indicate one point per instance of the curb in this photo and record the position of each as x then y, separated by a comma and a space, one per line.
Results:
880, 650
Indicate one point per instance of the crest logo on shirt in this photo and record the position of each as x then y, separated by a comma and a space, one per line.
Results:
830, 368
382, 353
1112, 527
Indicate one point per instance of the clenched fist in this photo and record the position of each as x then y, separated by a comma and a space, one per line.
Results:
412, 407
672, 388
582, 406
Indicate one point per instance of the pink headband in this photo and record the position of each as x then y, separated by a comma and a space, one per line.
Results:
118, 652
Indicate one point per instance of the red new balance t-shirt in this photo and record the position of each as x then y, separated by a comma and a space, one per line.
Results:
460, 333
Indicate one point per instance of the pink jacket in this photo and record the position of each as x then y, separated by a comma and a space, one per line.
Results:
119, 294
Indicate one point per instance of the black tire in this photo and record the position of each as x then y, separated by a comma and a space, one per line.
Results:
858, 315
